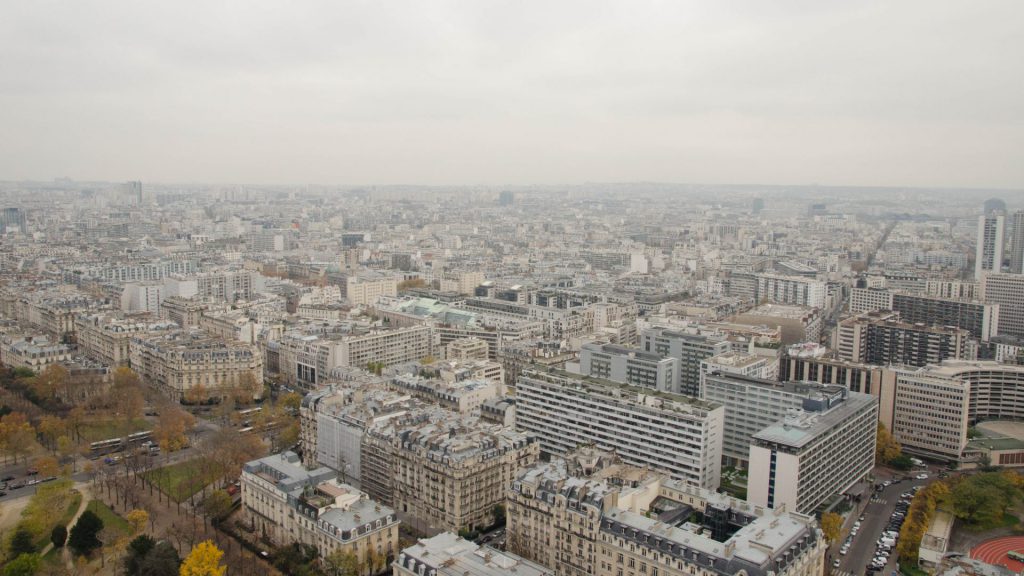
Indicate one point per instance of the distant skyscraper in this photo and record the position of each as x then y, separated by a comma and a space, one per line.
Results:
991, 231
134, 190
757, 205
12, 219
1017, 247
505, 198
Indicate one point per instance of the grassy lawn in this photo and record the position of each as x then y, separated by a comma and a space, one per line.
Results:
107, 429
181, 480
110, 519
53, 503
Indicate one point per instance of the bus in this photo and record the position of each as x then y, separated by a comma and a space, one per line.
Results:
106, 445
139, 437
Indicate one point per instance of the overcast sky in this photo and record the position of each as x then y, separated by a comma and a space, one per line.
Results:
927, 93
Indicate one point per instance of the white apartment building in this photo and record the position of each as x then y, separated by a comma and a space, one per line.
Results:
447, 554
142, 297
791, 290
366, 290
813, 454
670, 432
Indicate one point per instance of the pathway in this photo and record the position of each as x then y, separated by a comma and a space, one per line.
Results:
86, 496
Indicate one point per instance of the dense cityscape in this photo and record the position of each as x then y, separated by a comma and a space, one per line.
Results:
612, 380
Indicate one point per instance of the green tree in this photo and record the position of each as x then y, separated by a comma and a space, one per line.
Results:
21, 543
84, 535
138, 549
24, 565
59, 536
217, 505
163, 560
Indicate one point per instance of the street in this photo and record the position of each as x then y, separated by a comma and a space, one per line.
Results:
876, 517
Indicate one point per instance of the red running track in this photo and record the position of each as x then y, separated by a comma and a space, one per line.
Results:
994, 552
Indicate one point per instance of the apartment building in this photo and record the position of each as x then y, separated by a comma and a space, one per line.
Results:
448, 554
587, 514
464, 396
516, 356
307, 359
185, 312
366, 289
629, 366
880, 338
177, 362
791, 290
462, 282
33, 352
467, 349
107, 337
815, 453
287, 503
678, 434
441, 471
978, 318
795, 323
333, 420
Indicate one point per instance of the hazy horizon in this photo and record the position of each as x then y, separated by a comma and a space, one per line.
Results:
915, 95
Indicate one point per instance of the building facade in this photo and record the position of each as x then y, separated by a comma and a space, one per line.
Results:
677, 434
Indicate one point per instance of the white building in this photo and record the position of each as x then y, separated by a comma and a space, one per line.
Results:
668, 432
989, 250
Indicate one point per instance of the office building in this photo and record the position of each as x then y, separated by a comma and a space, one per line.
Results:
1017, 243
629, 366
1006, 290
814, 454
678, 434
689, 348
989, 253
753, 404
795, 323
587, 514
936, 404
